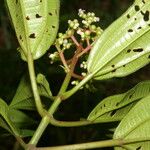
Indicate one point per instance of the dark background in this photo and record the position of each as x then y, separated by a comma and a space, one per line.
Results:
12, 68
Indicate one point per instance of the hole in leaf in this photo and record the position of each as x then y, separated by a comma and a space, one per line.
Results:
113, 112
145, 15
38, 16
27, 18
130, 30
50, 13
139, 28
114, 70
138, 148
137, 8
129, 50
138, 50
32, 35
117, 104
128, 16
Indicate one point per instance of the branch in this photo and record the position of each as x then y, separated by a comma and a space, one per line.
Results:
97, 144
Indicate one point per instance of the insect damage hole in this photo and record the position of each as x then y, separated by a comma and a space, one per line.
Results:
27, 18
113, 113
145, 15
50, 13
32, 36
130, 30
38, 16
138, 148
138, 50
137, 8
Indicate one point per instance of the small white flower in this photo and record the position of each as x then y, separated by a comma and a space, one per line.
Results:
75, 82
83, 74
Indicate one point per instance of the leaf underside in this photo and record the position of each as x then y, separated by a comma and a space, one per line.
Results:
114, 108
124, 46
35, 23
135, 125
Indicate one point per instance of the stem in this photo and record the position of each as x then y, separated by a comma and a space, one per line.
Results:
55, 122
44, 123
21, 142
75, 41
45, 120
76, 88
34, 84
98, 144
63, 61
85, 51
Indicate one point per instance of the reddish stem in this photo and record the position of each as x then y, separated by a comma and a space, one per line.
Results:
63, 60
84, 51
75, 41
77, 76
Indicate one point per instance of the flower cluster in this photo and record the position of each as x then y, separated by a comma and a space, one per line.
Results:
80, 33
85, 30
88, 18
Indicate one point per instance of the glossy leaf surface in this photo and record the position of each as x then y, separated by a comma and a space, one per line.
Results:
35, 23
135, 125
114, 108
124, 46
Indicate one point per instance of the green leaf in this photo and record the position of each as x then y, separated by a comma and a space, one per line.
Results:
114, 108
23, 98
4, 125
43, 86
135, 125
26, 133
20, 119
35, 23
4, 112
124, 46
12, 120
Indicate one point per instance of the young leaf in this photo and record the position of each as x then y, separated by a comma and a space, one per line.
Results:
23, 98
114, 108
35, 23
135, 125
43, 86
124, 47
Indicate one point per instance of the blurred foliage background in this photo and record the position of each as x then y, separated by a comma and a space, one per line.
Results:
12, 68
